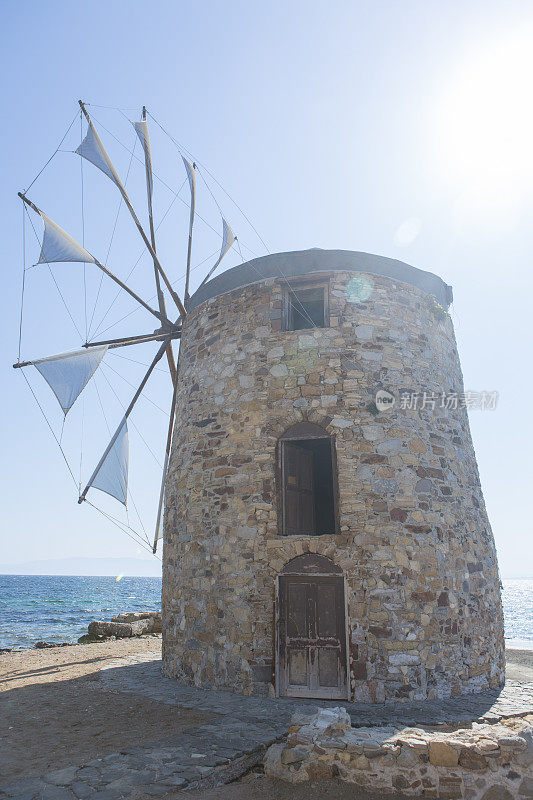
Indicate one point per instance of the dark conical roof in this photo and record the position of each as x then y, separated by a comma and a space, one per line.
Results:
306, 262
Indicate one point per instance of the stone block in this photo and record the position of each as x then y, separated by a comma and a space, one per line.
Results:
442, 754
471, 760
497, 793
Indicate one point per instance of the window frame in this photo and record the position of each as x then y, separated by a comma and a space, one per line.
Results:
301, 432
297, 285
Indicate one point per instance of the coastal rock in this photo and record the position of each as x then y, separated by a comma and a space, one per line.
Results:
136, 616
124, 630
47, 645
88, 639
121, 630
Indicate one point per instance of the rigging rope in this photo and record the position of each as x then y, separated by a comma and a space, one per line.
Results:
178, 146
143, 396
121, 525
53, 154
81, 438
51, 429
135, 361
53, 278
112, 108
109, 432
112, 238
153, 297
124, 528
165, 184
130, 420
141, 254
303, 310
23, 274
83, 232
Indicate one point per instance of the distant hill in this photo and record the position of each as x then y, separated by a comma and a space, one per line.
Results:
86, 566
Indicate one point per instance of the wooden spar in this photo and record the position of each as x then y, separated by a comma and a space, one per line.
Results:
128, 411
145, 239
126, 341
189, 247
133, 294
112, 344
165, 464
160, 295
108, 272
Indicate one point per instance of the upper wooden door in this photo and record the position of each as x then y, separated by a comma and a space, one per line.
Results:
312, 637
299, 490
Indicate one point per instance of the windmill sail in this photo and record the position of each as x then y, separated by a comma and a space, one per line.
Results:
228, 237
94, 151
191, 174
141, 129
112, 474
68, 374
58, 245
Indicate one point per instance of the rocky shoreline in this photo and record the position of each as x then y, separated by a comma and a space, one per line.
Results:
126, 625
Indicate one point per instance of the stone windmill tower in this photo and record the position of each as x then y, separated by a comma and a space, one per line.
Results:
314, 545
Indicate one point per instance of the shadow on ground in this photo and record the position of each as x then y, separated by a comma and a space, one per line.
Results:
135, 730
46, 726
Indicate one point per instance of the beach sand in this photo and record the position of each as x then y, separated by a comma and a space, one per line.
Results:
519, 665
53, 714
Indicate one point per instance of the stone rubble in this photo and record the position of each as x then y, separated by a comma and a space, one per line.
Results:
482, 762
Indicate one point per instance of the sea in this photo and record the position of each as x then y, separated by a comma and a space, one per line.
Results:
57, 608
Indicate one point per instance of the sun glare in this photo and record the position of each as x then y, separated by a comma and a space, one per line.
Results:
485, 120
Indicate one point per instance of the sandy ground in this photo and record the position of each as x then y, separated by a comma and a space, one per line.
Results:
53, 714
519, 665
258, 787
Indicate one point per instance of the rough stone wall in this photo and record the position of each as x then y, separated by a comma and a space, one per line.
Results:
482, 762
414, 541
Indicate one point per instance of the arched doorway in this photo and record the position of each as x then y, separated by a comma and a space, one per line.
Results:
311, 642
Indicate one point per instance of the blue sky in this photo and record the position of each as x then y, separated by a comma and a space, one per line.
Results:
393, 128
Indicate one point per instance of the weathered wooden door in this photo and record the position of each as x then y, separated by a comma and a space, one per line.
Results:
312, 636
299, 488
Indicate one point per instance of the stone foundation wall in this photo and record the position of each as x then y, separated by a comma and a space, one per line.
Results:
414, 541
484, 762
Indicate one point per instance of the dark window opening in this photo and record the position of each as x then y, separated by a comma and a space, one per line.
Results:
308, 487
306, 309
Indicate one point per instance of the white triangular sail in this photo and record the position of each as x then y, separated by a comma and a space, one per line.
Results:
68, 374
112, 476
228, 237
191, 174
58, 245
94, 151
141, 129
